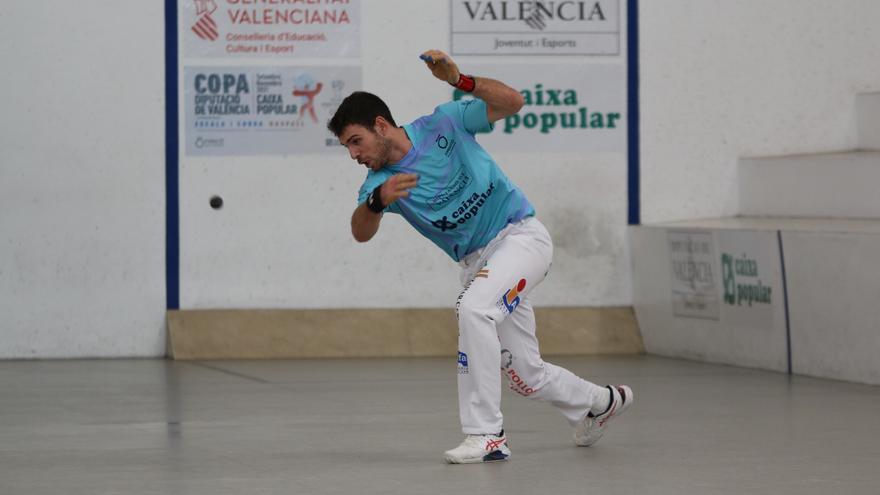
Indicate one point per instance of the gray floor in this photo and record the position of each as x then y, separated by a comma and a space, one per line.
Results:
380, 426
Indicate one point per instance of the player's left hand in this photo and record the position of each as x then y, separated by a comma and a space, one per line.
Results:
441, 65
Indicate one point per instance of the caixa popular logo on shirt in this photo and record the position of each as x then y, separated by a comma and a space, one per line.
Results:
462, 363
467, 210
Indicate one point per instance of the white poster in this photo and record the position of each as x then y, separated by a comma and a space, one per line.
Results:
271, 28
535, 27
263, 110
567, 108
694, 274
750, 277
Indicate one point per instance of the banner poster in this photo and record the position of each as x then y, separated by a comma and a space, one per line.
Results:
694, 274
567, 108
751, 277
263, 110
535, 27
271, 28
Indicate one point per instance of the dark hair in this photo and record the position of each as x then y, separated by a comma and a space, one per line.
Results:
361, 108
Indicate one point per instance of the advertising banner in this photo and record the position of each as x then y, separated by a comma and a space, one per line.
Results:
535, 27
751, 277
567, 108
263, 110
259, 29
732, 276
694, 274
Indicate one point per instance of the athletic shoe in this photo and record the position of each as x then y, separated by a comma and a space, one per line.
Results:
591, 428
479, 448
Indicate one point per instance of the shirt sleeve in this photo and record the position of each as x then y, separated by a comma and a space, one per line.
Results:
369, 184
472, 113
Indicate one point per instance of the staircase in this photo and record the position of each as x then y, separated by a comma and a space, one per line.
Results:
792, 283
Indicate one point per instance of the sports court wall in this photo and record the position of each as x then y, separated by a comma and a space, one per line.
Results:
82, 271
723, 80
82, 188
792, 295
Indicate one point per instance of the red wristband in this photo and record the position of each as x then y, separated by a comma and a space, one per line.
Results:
465, 83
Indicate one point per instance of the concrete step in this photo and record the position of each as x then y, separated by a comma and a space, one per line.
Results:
361, 333
785, 224
838, 185
775, 293
868, 120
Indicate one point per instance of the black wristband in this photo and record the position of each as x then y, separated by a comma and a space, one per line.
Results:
374, 200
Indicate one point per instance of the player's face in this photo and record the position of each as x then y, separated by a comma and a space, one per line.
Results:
366, 146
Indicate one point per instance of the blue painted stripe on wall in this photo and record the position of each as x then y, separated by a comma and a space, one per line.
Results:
785, 299
632, 84
172, 217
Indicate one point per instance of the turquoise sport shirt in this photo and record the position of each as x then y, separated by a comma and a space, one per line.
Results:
462, 199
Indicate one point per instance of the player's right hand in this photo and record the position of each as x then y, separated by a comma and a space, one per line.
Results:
441, 65
397, 187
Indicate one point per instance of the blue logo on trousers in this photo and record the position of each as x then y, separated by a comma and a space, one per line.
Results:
462, 363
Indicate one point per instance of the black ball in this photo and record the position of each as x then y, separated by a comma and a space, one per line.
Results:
216, 202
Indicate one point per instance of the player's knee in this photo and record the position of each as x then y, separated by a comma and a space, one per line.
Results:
473, 312
470, 308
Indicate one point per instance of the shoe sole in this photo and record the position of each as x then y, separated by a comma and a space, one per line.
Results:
496, 456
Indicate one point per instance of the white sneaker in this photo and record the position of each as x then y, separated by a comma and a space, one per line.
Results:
591, 428
479, 448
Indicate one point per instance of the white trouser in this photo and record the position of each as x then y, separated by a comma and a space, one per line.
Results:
496, 331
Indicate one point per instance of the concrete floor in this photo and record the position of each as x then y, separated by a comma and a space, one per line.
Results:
380, 427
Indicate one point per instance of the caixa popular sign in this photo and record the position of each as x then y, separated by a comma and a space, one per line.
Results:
535, 27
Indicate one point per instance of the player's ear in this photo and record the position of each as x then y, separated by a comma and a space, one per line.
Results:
381, 126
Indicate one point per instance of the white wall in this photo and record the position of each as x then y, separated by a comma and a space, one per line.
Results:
723, 79
827, 310
833, 294
82, 164
737, 334
283, 240
82, 198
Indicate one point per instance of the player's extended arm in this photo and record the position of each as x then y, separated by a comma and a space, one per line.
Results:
501, 100
364, 221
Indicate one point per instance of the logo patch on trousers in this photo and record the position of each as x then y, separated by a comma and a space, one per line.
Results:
517, 384
510, 300
462, 363
506, 359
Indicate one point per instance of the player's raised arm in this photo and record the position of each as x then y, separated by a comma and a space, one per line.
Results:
501, 100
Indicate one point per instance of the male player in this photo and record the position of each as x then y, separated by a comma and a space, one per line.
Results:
435, 174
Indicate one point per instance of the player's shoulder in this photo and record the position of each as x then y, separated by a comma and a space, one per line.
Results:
445, 114
440, 113
427, 124
451, 108
462, 109
376, 177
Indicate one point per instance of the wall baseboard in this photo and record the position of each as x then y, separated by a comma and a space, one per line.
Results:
359, 333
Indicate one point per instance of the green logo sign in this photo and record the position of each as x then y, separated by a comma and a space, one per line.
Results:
547, 109
742, 284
